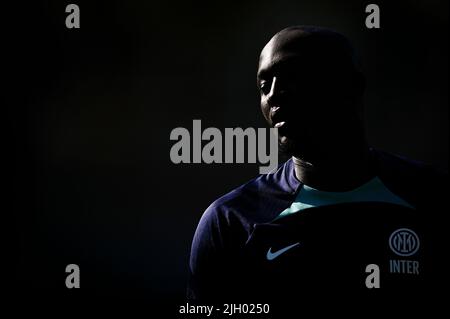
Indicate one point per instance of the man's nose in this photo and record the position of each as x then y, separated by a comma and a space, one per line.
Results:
277, 90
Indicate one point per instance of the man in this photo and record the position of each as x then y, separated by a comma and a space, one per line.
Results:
339, 217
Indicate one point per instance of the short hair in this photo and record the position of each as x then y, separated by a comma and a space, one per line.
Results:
333, 46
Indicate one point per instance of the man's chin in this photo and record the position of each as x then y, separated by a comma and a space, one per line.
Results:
288, 146
293, 147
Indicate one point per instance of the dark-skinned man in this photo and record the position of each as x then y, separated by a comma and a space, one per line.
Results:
339, 218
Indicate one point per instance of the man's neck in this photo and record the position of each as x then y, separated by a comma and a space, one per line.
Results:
338, 172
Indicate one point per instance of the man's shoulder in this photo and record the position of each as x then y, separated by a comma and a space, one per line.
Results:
414, 180
255, 195
402, 167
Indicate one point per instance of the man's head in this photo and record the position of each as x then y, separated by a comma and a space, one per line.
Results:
311, 89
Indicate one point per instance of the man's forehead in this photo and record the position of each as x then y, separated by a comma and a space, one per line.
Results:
274, 57
320, 50
277, 59
280, 48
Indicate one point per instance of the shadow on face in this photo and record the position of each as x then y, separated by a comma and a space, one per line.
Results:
311, 90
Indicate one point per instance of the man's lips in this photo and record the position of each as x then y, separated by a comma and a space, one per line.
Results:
276, 116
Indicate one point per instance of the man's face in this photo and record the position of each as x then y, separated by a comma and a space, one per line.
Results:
303, 96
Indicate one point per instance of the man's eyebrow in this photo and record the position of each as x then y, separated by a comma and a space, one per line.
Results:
265, 72
262, 73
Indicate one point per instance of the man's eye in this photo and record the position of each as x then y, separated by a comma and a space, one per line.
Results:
264, 87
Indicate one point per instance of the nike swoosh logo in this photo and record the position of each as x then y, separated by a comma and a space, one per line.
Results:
272, 255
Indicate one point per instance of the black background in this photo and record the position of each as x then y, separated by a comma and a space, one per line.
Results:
93, 183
